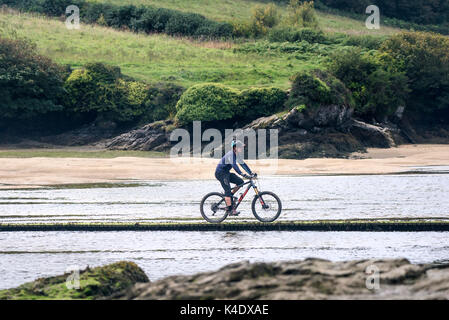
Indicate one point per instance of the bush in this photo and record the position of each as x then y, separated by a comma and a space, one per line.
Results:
261, 102
302, 14
291, 34
161, 101
264, 18
424, 58
30, 84
184, 24
378, 88
207, 102
100, 89
365, 41
316, 88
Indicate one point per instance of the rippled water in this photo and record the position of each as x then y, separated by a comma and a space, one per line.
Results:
317, 197
24, 256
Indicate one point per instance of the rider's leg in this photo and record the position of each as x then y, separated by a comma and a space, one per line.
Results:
228, 201
233, 178
224, 180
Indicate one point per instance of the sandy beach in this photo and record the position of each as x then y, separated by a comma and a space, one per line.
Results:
35, 172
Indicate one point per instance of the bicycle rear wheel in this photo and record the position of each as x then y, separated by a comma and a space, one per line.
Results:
213, 207
266, 206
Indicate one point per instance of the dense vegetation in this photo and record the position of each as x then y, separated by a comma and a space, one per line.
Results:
420, 15
419, 11
374, 75
212, 102
317, 88
139, 19
30, 83
424, 59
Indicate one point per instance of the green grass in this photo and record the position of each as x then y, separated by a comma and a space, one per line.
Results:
238, 10
220, 10
55, 153
158, 57
154, 58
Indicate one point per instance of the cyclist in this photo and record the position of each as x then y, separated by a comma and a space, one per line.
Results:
223, 175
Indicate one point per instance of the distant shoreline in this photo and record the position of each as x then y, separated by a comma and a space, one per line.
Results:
32, 172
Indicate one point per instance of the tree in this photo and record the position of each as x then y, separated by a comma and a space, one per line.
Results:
30, 84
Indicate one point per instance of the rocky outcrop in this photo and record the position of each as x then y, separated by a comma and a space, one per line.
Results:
371, 135
334, 116
308, 279
89, 134
94, 283
154, 136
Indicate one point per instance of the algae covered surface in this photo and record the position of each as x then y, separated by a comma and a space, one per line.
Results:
94, 283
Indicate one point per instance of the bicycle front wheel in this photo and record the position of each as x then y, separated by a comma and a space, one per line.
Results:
266, 206
213, 207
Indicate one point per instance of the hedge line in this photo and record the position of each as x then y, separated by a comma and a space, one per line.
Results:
139, 19
419, 11
419, 15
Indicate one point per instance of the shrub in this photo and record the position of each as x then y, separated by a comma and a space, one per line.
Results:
161, 101
121, 16
364, 41
261, 102
100, 89
291, 34
30, 84
315, 88
184, 24
207, 102
424, 57
378, 88
264, 18
302, 14
57, 7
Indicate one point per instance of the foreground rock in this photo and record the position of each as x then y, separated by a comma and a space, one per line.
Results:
94, 283
308, 279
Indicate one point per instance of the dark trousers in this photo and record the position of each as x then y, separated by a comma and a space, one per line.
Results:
226, 178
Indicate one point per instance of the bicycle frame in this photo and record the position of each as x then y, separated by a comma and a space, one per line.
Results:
250, 184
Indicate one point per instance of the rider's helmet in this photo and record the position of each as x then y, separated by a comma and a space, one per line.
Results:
237, 143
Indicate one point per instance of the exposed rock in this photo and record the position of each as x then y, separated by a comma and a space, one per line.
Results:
332, 116
327, 144
324, 116
94, 283
89, 134
371, 135
149, 137
308, 279
270, 122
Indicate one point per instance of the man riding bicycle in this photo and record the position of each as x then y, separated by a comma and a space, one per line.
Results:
223, 175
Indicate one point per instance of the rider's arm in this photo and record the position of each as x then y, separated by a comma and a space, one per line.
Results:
246, 168
235, 166
243, 165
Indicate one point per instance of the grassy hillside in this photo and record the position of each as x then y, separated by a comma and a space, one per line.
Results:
157, 57
241, 10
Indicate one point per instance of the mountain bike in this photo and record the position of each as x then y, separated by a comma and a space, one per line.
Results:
266, 206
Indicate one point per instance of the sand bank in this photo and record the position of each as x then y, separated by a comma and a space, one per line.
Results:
34, 172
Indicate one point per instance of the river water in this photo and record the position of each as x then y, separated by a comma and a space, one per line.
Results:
24, 256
